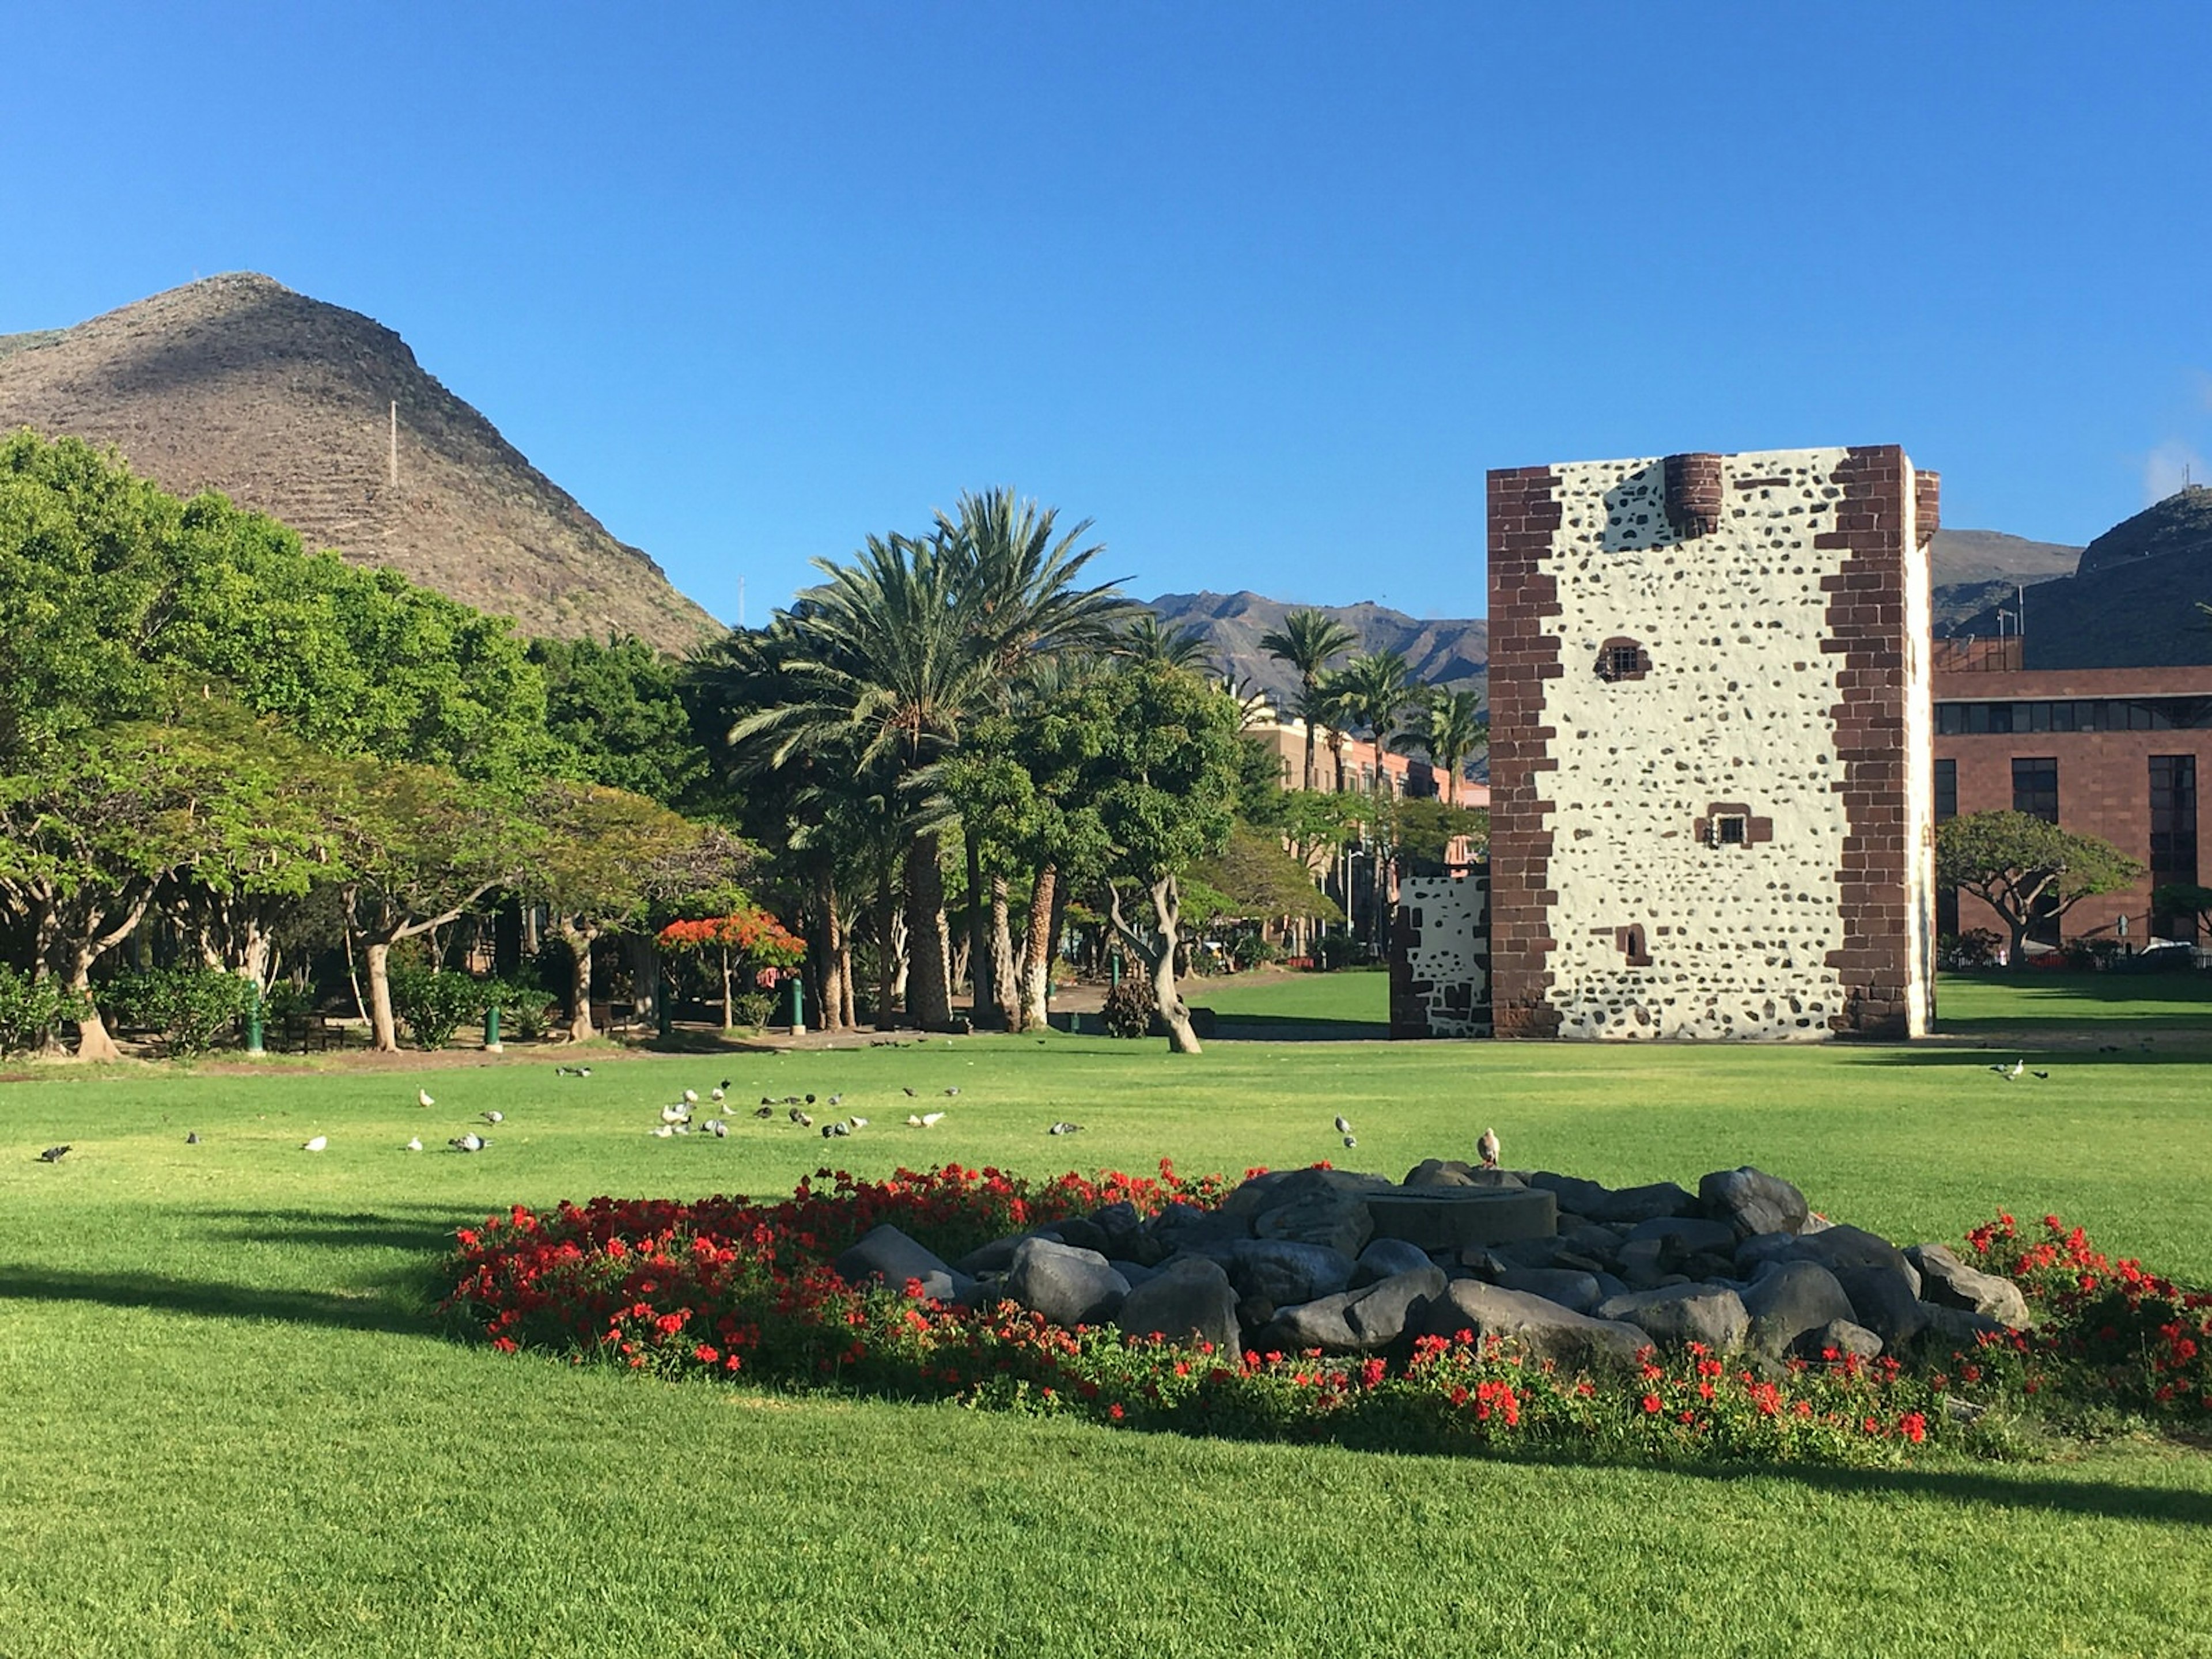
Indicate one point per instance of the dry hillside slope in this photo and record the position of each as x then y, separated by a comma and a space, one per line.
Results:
236, 383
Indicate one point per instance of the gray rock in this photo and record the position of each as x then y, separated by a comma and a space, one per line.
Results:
1286, 1272
1436, 1218
1183, 1227
1961, 1328
1834, 1247
992, 1258
1080, 1234
1542, 1329
1385, 1258
1584, 1197
1378, 1314
1839, 1337
1439, 1172
1280, 1187
1950, 1283
1751, 1201
1635, 1204
1188, 1301
1068, 1286
1885, 1301
1679, 1315
1687, 1234
1580, 1292
1642, 1262
1120, 1223
1320, 1323
1336, 1220
1137, 1273
888, 1255
1789, 1298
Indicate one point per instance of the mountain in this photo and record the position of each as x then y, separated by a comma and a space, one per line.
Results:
2133, 603
1974, 571
1441, 653
283, 403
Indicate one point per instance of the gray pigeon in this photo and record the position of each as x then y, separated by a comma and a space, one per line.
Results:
192, 1138
952, 1091
801, 1119
717, 1128
1350, 1141
1064, 1129
53, 1155
764, 1111
1343, 1125
470, 1142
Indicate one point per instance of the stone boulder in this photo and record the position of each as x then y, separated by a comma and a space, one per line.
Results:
1385, 1258
1189, 1301
1686, 1236
1578, 1292
1286, 1272
1839, 1337
1751, 1201
888, 1255
1950, 1283
1541, 1329
1963, 1328
1834, 1247
1885, 1300
1068, 1286
1678, 1315
1353, 1322
1789, 1298
1337, 1221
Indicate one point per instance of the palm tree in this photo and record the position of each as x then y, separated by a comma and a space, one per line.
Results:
1180, 647
1451, 727
1305, 642
1017, 582
1376, 690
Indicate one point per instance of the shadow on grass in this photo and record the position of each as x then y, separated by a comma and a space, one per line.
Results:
1293, 1028
362, 1311
429, 1231
2153, 1504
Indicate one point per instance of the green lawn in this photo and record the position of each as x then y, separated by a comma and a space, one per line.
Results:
232, 1424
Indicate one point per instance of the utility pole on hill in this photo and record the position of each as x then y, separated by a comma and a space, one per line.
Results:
395, 444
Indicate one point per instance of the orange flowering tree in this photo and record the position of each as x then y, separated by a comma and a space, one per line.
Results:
748, 938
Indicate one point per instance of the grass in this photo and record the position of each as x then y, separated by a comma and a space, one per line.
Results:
234, 1426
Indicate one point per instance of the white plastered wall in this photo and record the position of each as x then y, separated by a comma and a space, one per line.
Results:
1736, 707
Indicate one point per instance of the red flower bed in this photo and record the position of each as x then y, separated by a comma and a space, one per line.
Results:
722, 1287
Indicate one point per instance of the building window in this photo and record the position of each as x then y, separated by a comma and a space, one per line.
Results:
1629, 941
1729, 831
1622, 658
1946, 790
2173, 836
2078, 715
1730, 823
2035, 787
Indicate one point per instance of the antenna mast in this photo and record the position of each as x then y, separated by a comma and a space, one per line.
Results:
395, 444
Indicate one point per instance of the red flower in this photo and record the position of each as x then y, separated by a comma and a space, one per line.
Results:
1653, 1405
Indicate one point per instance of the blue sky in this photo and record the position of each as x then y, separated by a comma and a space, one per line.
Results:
1263, 290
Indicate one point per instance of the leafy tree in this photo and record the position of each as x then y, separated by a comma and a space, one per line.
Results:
2184, 898
1421, 830
2016, 864
1304, 643
1166, 774
1256, 880
617, 711
1179, 647
1375, 690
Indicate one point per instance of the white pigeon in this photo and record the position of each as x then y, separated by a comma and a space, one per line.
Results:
495, 1117
663, 1132
1486, 1149
315, 1145
470, 1142
423, 1097
690, 1096
715, 1094
912, 1121
858, 1123
931, 1119
676, 1115
414, 1142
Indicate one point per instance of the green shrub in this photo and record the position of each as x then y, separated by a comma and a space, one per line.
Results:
433, 1004
526, 1008
31, 1009
754, 1008
188, 1008
1129, 1009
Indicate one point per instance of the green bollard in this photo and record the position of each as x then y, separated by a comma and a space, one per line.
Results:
253, 1022
491, 1028
797, 1007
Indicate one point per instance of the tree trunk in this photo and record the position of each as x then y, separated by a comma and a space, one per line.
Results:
384, 1030
929, 969
579, 981
1036, 952
1006, 980
1160, 957
886, 952
726, 1021
1313, 771
834, 1011
645, 985
982, 977
93, 1041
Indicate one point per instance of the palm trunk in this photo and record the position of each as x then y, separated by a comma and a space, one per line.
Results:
1005, 981
929, 969
1037, 951
886, 948
982, 983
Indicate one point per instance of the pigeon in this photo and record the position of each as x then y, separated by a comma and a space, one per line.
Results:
2009, 1073
583, 1071
801, 1119
764, 1111
837, 1100
809, 1100
1064, 1129
572, 1070
724, 1085
690, 1096
717, 1128
2041, 1075
676, 1115
414, 1143
853, 1123
470, 1142
494, 1117
53, 1155
950, 1092
423, 1097
1486, 1149
909, 1094
681, 1128
192, 1138
931, 1119
664, 1132
913, 1121
716, 1095
765, 1101
1343, 1125
315, 1143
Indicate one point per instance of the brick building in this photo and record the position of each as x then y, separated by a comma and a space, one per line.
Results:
1712, 750
2114, 752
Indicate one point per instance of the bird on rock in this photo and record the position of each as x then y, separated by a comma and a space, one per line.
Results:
1486, 1149
423, 1097
470, 1142
53, 1155
314, 1144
